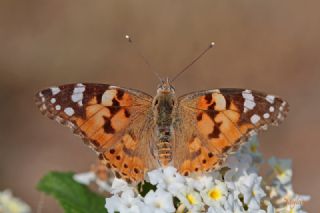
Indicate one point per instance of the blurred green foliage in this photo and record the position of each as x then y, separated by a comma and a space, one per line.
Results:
73, 196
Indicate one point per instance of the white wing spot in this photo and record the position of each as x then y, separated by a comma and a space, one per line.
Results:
271, 109
53, 100
215, 91
281, 108
55, 90
58, 107
77, 94
266, 115
246, 94
220, 101
79, 89
255, 119
270, 98
264, 127
69, 111
252, 133
249, 103
76, 97
107, 97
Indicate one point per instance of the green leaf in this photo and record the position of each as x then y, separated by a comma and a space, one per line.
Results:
73, 196
145, 187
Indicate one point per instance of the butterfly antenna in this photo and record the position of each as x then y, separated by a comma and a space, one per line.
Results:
192, 62
143, 58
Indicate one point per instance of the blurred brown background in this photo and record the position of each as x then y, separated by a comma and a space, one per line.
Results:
268, 45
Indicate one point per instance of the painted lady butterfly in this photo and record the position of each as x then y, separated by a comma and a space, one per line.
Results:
134, 132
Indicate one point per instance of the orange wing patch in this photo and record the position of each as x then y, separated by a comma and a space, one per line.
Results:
101, 115
112, 96
122, 159
205, 124
102, 140
120, 120
214, 101
201, 159
225, 118
100, 123
222, 114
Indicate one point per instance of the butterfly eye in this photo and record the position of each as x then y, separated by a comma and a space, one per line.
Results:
156, 102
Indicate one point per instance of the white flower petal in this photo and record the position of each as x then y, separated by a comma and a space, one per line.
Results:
119, 185
85, 178
163, 177
10, 204
160, 200
282, 169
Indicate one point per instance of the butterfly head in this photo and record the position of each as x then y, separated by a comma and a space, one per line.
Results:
165, 98
165, 87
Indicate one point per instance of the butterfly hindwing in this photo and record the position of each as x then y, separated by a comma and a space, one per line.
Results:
108, 118
218, 121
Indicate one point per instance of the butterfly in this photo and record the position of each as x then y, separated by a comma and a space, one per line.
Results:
133, 132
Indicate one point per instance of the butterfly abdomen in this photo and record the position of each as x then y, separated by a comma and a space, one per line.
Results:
164, 107
164, 152
164, 144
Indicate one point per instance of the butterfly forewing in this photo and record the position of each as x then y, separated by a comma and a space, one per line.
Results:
120, 125
109, 119
217, 122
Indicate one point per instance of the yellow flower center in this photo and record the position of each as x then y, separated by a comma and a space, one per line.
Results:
292, 210
14, 207
253, 148
192, 199
215, 194
279, 170
158, 205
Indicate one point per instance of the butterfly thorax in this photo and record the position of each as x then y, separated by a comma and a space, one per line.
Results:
164, 108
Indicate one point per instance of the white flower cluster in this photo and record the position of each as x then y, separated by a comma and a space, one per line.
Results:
10, 204
236, 187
